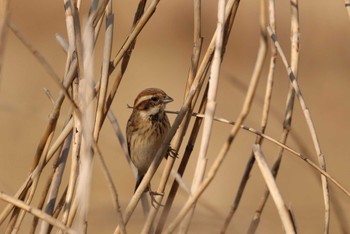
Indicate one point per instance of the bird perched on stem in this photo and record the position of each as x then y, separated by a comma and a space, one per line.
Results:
147, 128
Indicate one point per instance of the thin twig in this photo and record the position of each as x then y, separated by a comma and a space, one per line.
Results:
285, 147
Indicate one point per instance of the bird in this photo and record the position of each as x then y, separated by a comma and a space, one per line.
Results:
146, 129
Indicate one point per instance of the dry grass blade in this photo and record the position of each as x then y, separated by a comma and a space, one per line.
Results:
275, 193
320, 156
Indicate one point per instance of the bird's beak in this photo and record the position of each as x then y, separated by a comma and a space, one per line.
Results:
167, 99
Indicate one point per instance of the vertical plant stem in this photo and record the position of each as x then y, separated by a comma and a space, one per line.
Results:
56, 182
196, 51
256, 73
275, 193
74, 161
105, 70
230, 12
182, 166
209, 110
307, 115
289, 106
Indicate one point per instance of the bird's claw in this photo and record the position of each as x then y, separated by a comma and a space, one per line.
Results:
153, 200
172, 152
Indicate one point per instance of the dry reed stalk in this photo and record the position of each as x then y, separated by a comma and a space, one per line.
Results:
218, 161
182, 166
110, 98
288, 110
119, 134
107, 50
46, 139
42, 201
69, 207
196, 51
161, 151
36, 212
209, 110
229, 14
101, 103
85, 94
285, 147
307, 115
89, 123
49, 69
51, 188
184, 109
53, 118
71, 70
18, 215
76, 41
124, 54
141, 22
275, 193
257, 72
56, 181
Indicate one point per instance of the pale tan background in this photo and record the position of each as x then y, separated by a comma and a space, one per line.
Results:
161, 59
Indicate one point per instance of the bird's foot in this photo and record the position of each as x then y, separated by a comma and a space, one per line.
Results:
154, 201
172, 152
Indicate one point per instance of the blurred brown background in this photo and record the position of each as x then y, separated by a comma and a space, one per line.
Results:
161, 59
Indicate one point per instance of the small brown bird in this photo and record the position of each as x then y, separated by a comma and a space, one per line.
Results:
146, 128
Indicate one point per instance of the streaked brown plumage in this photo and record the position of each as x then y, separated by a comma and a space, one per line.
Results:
146, 128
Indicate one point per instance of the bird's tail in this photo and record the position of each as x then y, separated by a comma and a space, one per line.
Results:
138, 181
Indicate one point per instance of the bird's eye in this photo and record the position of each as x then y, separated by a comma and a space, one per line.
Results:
155, 99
